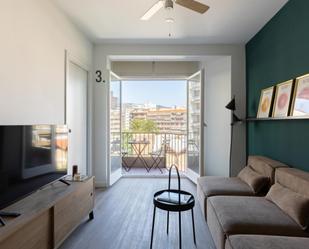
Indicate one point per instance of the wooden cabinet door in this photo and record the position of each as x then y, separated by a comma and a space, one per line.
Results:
36, 234
70, 211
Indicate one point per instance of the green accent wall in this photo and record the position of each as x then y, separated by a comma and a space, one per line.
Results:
279, 52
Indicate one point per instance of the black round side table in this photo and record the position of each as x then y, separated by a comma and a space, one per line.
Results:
178, 206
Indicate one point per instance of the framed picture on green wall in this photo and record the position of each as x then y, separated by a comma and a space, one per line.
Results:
266, 101
283, 98
300, 106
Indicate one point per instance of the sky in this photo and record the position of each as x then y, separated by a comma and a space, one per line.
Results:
166, 93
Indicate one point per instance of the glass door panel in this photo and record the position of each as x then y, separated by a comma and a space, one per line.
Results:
195, 130
115, 128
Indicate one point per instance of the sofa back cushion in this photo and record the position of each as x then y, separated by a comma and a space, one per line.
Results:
256, 181
294, 179
292, 203
265, 166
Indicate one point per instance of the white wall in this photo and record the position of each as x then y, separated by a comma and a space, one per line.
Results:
101, 62
34, 37
217, 133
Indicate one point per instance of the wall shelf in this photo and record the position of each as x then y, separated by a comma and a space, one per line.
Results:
277, 119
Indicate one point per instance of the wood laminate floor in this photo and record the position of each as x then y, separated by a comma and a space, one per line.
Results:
123, 219
142, 172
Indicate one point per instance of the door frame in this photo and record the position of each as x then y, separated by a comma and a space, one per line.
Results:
112, 177
190, 173
69, 58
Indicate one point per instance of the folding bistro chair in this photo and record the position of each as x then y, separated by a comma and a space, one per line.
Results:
158, 155
124, 154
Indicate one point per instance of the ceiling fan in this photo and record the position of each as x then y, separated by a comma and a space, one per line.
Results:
169, 4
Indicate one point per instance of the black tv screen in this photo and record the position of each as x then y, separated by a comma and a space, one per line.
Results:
30, 158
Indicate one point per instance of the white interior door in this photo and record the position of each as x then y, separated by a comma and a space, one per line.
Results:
195, 126
77, 117
115, 157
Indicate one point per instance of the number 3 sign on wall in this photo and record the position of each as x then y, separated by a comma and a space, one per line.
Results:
99, 78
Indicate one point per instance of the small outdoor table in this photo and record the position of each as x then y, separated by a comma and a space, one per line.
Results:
139, 147
173, 207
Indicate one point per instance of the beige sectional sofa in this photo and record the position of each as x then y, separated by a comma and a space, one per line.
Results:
214, 186
266, 241
241, 222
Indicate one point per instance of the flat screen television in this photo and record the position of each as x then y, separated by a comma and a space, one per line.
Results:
30, 158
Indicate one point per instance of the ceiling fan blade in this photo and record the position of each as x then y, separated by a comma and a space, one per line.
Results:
153, 10
193, 5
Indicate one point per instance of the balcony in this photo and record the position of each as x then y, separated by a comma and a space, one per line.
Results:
152, 152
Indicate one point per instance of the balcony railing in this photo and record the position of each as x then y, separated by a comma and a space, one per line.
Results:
170, 147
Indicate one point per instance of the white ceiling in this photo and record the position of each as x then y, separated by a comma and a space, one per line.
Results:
227, 21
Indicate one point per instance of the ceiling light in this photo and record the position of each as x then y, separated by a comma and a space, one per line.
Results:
170, 20
154, 9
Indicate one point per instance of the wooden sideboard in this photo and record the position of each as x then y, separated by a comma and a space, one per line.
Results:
48, 216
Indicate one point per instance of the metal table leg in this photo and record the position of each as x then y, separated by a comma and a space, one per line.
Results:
168, 221
193, 226
153, 223
179, 230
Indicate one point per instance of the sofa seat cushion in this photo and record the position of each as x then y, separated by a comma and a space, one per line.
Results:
252, 215
265, 241
213, 185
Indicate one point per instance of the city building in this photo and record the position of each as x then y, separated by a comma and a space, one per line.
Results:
166, 119
169, 119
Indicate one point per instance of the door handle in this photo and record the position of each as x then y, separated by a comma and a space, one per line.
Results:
205, 124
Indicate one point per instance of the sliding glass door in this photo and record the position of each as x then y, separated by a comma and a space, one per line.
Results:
115, 160
195, 126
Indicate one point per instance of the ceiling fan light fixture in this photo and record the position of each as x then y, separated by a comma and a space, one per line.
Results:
169, 20
169, 6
